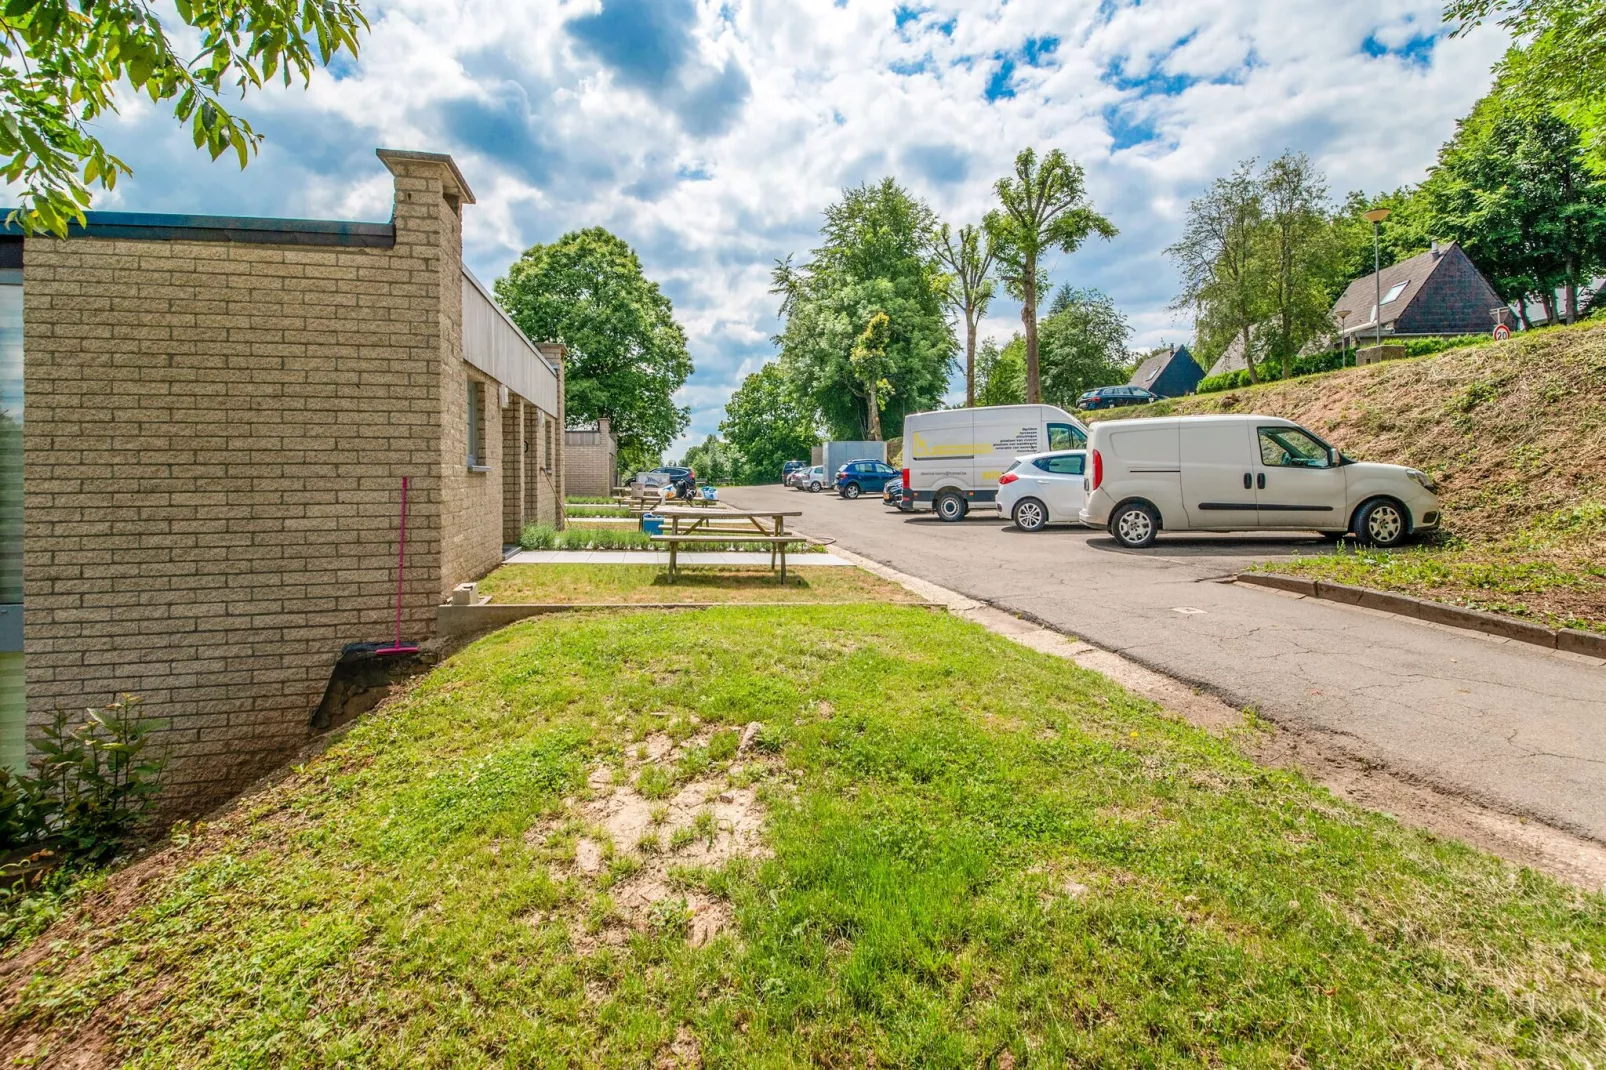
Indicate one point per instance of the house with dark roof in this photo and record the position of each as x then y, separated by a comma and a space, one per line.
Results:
1169, 373
1440, 292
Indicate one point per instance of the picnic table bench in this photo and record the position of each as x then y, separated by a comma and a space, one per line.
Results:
777, 545
691, 527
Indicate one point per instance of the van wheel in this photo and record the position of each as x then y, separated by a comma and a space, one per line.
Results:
1381, 523
951, 507
851, 491
1135, 526
1031, 515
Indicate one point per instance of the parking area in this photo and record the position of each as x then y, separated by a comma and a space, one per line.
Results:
1504, 724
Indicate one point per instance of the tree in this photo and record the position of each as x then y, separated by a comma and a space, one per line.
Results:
869, 359
1221, 260
1513, 187
1083, 342
1563, 61
714, 461
969, 260
1407, 233
61, 64
627, 355
1300, 252
1044, 208
768, 425
876, 256
1002, 373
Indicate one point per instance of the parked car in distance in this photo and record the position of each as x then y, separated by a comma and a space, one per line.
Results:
1043, 489
1111, 397
953, 457
789, 470
1245, 473
892, 493
813, 479
662, 476
796, 478
856, 477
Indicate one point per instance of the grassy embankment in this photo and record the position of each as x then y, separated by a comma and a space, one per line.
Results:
942, 850
1515, 433
636, 584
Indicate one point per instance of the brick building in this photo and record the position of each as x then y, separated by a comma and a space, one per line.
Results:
1440, 292
219, 413
591, 460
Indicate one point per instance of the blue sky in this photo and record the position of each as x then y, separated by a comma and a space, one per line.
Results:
710, 134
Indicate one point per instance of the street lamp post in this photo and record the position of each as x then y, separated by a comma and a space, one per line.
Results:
1376, 217
1343, 337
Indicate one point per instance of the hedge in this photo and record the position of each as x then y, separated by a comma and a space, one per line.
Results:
1316, 363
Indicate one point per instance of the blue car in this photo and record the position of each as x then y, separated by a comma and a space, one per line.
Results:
856, 477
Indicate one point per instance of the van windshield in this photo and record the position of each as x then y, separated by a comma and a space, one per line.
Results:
1065, 437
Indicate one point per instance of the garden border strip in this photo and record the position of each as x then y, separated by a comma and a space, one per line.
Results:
1568, 640
456, 621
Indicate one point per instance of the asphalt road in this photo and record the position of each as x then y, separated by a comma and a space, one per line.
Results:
1506, 724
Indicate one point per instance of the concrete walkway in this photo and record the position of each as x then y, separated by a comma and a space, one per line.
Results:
658, 557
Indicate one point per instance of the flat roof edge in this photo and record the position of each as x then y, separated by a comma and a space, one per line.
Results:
152, 226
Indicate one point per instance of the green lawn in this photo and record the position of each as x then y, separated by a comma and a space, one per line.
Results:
963, 854
582, 536
634, 584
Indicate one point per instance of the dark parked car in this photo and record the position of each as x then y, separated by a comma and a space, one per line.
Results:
1111, 397
790, 469
893, 494
856, 477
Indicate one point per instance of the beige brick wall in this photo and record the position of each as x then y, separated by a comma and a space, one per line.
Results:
215, 443
589, 459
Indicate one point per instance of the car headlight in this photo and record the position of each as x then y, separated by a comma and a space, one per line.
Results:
1424, 480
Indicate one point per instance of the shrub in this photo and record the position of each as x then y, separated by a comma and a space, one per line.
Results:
538, 537
92, 786
1316, 363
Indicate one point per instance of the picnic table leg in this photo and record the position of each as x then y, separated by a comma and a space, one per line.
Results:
782, 547
672, 547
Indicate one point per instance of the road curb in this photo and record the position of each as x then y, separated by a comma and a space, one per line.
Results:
1570, 640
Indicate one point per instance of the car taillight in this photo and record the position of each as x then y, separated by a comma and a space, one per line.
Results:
1007, 478
1098, 469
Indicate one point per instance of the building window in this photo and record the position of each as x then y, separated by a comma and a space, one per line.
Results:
1395, 291
476, 424
548, 464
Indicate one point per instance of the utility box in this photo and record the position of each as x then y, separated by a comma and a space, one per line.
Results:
833, 455
1374, 354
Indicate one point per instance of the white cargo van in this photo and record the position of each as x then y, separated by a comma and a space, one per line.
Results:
953, 458
1245, 473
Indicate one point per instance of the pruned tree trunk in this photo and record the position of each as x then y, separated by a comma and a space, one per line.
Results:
875, 414
1028, 318
1522, 313
1548, 299
970, 361
1569, 292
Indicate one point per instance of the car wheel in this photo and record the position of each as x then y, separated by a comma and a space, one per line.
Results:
851, 491
1382, 523
951, 507
1031, 515
1135, 526
814, 488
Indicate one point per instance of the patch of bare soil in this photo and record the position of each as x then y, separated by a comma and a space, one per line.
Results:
636, 829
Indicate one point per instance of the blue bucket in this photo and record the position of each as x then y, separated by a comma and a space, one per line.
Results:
652, 525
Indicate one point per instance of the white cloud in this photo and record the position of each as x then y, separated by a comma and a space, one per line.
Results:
711, 133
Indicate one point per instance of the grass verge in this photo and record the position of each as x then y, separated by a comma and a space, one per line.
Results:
582, 499
597, 512
636, 584
621, 537
969, 849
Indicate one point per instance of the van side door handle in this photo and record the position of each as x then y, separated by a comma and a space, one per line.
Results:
1247, 484
1260, 481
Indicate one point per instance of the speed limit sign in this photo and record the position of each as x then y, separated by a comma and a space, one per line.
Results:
1501, 333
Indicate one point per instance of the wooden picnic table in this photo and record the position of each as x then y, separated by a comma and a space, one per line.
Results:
763, 527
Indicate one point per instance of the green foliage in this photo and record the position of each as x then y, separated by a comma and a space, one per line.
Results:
627, 355
1302, 255
876, 257
579, 536
1408, 232
61, 64
92, 785
1332, 360
768, 424
1043, 209
1083, 345
1512, 187
871, 364
1001, 373
1226, 277
587, 499
714, 461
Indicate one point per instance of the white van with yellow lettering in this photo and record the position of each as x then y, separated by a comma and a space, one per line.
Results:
953, 457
